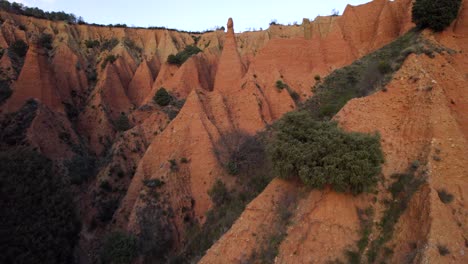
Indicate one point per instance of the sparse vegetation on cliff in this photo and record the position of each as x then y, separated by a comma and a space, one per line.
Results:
365, 76
321, 154
109, 59
182, 56
39, 223
119, 248
19, 48
435, 14
45, 41
90, 44
5, 91
122, 123
109, 44
20, 9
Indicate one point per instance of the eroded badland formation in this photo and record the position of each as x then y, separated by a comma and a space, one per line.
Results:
147, 170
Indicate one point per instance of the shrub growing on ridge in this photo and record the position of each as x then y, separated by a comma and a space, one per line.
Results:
182, 56
320, 154
435, 14
162, 97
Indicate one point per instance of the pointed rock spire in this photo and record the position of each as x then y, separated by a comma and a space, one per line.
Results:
230, 69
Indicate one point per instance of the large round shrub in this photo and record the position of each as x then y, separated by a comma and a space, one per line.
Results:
320, 154
435, 14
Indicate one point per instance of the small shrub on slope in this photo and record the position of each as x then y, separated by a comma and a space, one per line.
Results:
162, 97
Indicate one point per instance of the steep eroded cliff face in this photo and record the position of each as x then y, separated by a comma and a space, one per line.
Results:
97, 84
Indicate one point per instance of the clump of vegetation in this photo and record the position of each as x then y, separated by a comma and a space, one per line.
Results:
232, 168
173, 165
122, 123
402, 190
443, 250
182, 56
294, 95
5, 91
91, 44
320, 154
39, 220
162, 97
107, 208
363, 77
433, 14
109, 59
280, 85
254, 175
366, 222
132, 45
109, 44
153, 183
184, 160
156, 234
91, 74
45, 41
445, 196
119, 248
218, 193
317, 78
18, 8
80, 168
19, 48
14, 126
269, 249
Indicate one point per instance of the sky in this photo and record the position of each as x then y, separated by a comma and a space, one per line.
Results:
194, 15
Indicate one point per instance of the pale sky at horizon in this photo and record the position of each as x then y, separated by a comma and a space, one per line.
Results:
193, 15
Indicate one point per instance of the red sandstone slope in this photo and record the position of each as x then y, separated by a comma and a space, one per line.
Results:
421, 116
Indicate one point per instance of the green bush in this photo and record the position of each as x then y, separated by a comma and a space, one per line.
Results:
19, 48
119, 248
232, 168
443, 250
384, 67
280, 85
359, 79
38, 217
445, 196
90, 44
45, 41
320, 154
80, 168
435, 14
5, 91
156, 233
110, 58
162, 97
218, 193
122, 123
109, 44
173, 165
182, 56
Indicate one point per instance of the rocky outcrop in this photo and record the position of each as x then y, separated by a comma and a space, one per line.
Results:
230, 69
